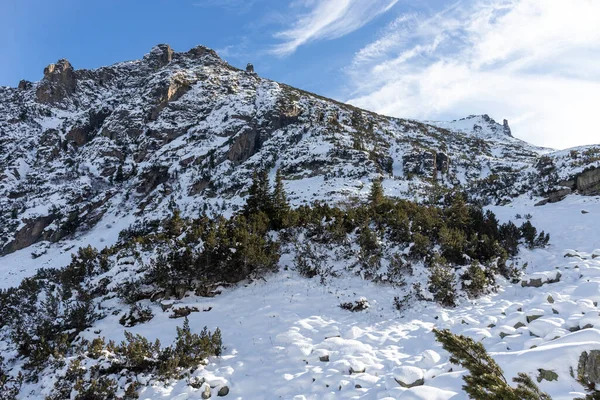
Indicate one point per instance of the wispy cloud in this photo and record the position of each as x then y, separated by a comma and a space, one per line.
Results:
534, 62
327, 19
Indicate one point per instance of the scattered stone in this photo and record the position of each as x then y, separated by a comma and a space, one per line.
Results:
206, 392
531, 318
550, 299
357, 370
224, 391
519, 325
324, 358
537, 280
585, 212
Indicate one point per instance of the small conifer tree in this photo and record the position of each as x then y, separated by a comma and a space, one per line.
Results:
376, 195
486, 380
280, 203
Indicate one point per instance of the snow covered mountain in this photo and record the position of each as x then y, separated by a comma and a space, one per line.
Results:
86, 154
126, 140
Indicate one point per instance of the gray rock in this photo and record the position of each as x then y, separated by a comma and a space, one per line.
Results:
159, 56
24, 85
531, 318
505, 128
555, 196
588, 182
418, 382
224, 391
589, 366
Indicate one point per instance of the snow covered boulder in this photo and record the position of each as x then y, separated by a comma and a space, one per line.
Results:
408, 376
537, 279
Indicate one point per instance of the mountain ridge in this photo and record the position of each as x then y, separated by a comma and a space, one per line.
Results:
190, 127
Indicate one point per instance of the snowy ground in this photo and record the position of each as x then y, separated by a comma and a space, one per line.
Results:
287, 337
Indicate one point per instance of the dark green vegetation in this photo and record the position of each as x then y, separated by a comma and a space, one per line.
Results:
383, 240
486, 379
136, 355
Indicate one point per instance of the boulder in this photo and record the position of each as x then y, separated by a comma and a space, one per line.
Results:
589, 366
555, 196
588, 182
224, 391
206, 394
59, 83
409, 376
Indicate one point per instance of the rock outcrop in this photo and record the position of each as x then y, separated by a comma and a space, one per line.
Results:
506, 128
589, 366
588, 182
59, 82
159, 56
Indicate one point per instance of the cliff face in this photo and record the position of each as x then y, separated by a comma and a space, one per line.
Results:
187, 129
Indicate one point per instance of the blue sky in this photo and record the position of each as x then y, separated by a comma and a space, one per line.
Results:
534, 62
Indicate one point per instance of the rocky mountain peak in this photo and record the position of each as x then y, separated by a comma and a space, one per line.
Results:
160, 55
58, 83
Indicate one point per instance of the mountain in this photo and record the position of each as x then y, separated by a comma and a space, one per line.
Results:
124, 140
149, 158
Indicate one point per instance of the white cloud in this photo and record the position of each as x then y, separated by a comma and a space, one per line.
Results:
535, 62
327, 19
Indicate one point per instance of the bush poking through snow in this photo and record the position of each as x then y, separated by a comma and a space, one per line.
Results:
359, 305
441, 284
486, 380
94, 373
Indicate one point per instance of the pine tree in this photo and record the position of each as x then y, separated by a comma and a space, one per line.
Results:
280, 203
253, 204
376, 195
259, 196
486, 380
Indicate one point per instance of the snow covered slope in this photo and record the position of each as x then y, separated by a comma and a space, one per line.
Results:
85, 148
287, 337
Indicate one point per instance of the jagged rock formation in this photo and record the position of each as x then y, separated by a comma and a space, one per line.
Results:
188, 129
59, 83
